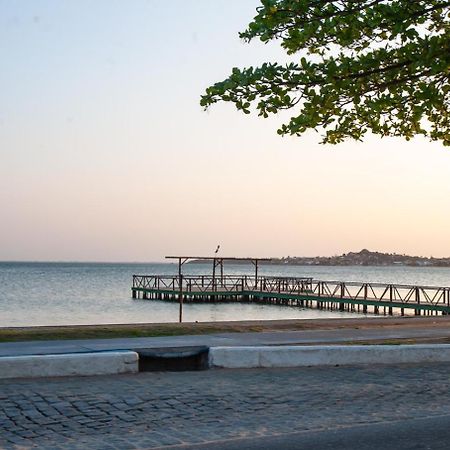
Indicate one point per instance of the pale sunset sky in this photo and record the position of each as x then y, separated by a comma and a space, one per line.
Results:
106, 155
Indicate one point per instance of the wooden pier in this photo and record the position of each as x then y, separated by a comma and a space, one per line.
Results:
374, 298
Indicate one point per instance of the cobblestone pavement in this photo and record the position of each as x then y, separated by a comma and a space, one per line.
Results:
151, 410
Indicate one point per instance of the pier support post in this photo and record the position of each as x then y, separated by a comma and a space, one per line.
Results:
180, 295
417, 311
391, 297
342, 305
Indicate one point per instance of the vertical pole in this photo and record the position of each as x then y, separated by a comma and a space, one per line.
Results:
365, 298
256, 273
391, 296
180, 295
221, 272
417, 311
342, 305
214, 275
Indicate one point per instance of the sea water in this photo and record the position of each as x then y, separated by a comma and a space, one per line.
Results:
89, 293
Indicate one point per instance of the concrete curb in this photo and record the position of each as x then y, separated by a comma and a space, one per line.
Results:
117, 362
73, 364
325, 355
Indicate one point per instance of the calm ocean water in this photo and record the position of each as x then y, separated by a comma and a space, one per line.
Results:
88, 293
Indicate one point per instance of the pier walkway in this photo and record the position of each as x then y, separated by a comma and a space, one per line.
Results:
377, 298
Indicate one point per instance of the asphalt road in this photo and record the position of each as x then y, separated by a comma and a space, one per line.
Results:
416, 434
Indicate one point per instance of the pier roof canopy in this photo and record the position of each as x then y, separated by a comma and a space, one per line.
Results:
217, 261
223, 258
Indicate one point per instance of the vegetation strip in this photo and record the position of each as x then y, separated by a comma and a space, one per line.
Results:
12, 334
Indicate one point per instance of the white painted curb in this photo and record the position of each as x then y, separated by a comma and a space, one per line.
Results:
76, 364
326, 355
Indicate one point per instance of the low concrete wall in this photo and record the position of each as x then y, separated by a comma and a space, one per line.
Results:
326, 355
77, 364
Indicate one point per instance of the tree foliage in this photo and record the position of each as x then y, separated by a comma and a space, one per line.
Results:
360, 65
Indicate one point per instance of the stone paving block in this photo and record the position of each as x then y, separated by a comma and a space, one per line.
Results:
122, 411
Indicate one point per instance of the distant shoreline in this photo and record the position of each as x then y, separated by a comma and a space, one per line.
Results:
364, 258
275, 262
419, 266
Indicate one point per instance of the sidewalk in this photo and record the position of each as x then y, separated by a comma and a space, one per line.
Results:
318, 345
421, 333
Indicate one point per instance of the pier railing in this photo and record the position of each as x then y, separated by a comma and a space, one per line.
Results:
376, 294
380, 292
226, 283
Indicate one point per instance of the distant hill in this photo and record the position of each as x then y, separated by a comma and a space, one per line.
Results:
362, 258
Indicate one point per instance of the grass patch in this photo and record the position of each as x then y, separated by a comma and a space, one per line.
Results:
116, 331
17, 334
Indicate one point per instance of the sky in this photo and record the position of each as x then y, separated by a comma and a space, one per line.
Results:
106, 154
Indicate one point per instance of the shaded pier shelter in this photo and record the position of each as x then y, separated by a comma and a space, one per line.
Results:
217, 265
